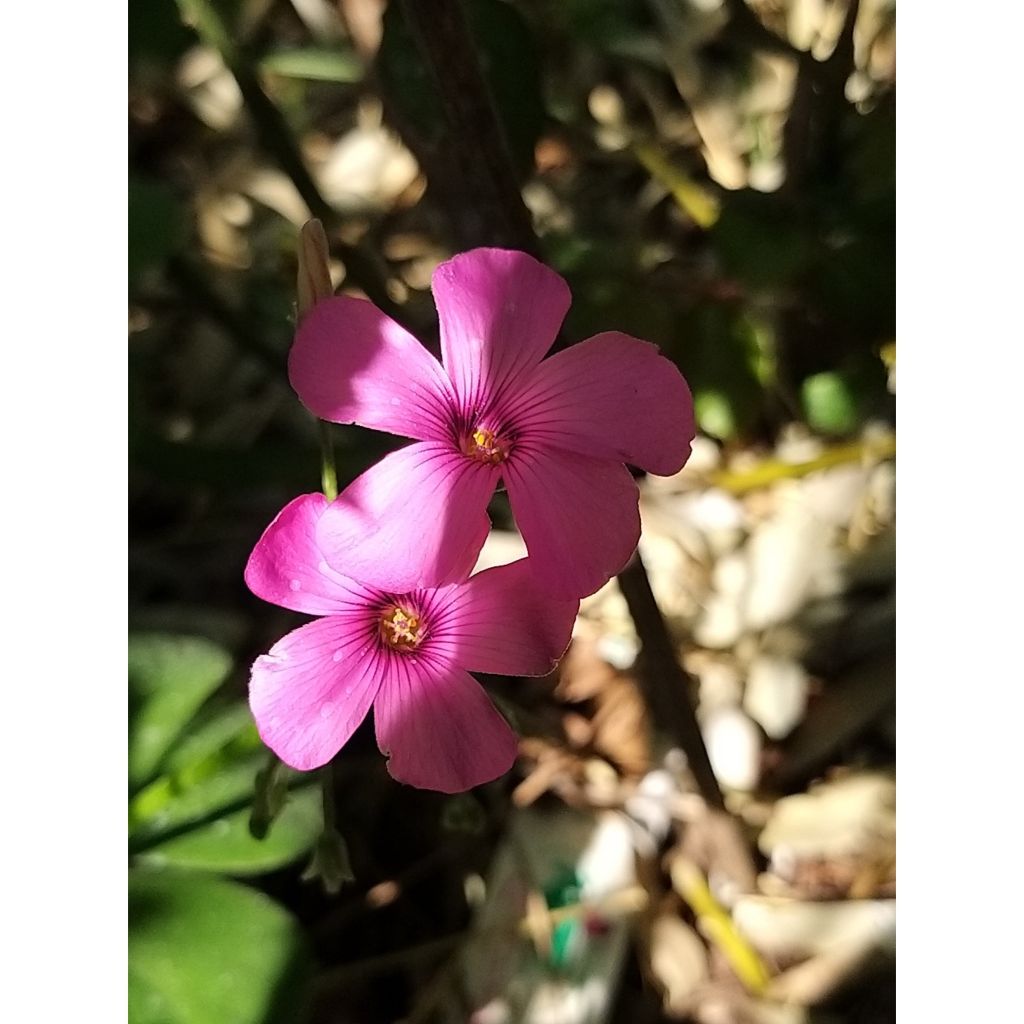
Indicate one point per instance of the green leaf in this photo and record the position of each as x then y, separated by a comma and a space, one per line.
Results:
169, 803
226, 845
315, 63
210, 951
169, 678
829, 403
230, 727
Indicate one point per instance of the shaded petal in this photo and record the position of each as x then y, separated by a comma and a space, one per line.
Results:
579, 516
418, 518
313, 689
505, 620
611, 396
439, 728
287, 566
500, 311
352, 364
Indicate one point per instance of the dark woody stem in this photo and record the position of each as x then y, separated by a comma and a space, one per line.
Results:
444, 40
491, 191
665, 684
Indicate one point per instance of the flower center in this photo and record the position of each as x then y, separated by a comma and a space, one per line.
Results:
400, 628
486, 446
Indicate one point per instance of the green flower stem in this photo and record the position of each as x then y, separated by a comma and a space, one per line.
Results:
328, 468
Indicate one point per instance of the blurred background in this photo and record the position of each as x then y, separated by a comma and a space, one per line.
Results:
715, 176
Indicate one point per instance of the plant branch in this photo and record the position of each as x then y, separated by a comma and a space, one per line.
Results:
664, 682
491, 189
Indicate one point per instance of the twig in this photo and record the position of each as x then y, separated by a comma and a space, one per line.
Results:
818, 97
664, 683
491, 190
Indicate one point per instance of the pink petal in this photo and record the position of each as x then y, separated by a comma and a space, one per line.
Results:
613, 397
418, 518
287, 566
504, 620
579, 517
352, 364
439, 727
500, 311
313, 689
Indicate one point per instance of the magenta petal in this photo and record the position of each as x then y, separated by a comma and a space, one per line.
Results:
500, 311
439, 728
579, 517
614, 397
418, 518
505, 620
287, 567
313, 689
352, 364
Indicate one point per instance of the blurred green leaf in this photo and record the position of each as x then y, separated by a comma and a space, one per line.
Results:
829, 403
226, 845
168, 804
315, 63
211, 951
147, 1004
714, 414
698, 201
228, 727
169, 678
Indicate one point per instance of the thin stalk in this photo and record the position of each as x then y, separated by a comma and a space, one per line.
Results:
500, 216
328, 469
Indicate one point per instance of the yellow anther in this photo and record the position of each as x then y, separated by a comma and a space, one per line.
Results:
400, 628
485, 445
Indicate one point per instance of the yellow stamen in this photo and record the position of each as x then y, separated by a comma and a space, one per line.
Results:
400, 628
485, 445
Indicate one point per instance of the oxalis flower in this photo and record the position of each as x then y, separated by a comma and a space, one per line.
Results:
408, 654
555, 431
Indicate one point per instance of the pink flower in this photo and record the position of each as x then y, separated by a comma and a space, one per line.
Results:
407, 654
555, 431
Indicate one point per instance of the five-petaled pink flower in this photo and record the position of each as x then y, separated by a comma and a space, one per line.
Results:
406, 654
555, 431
